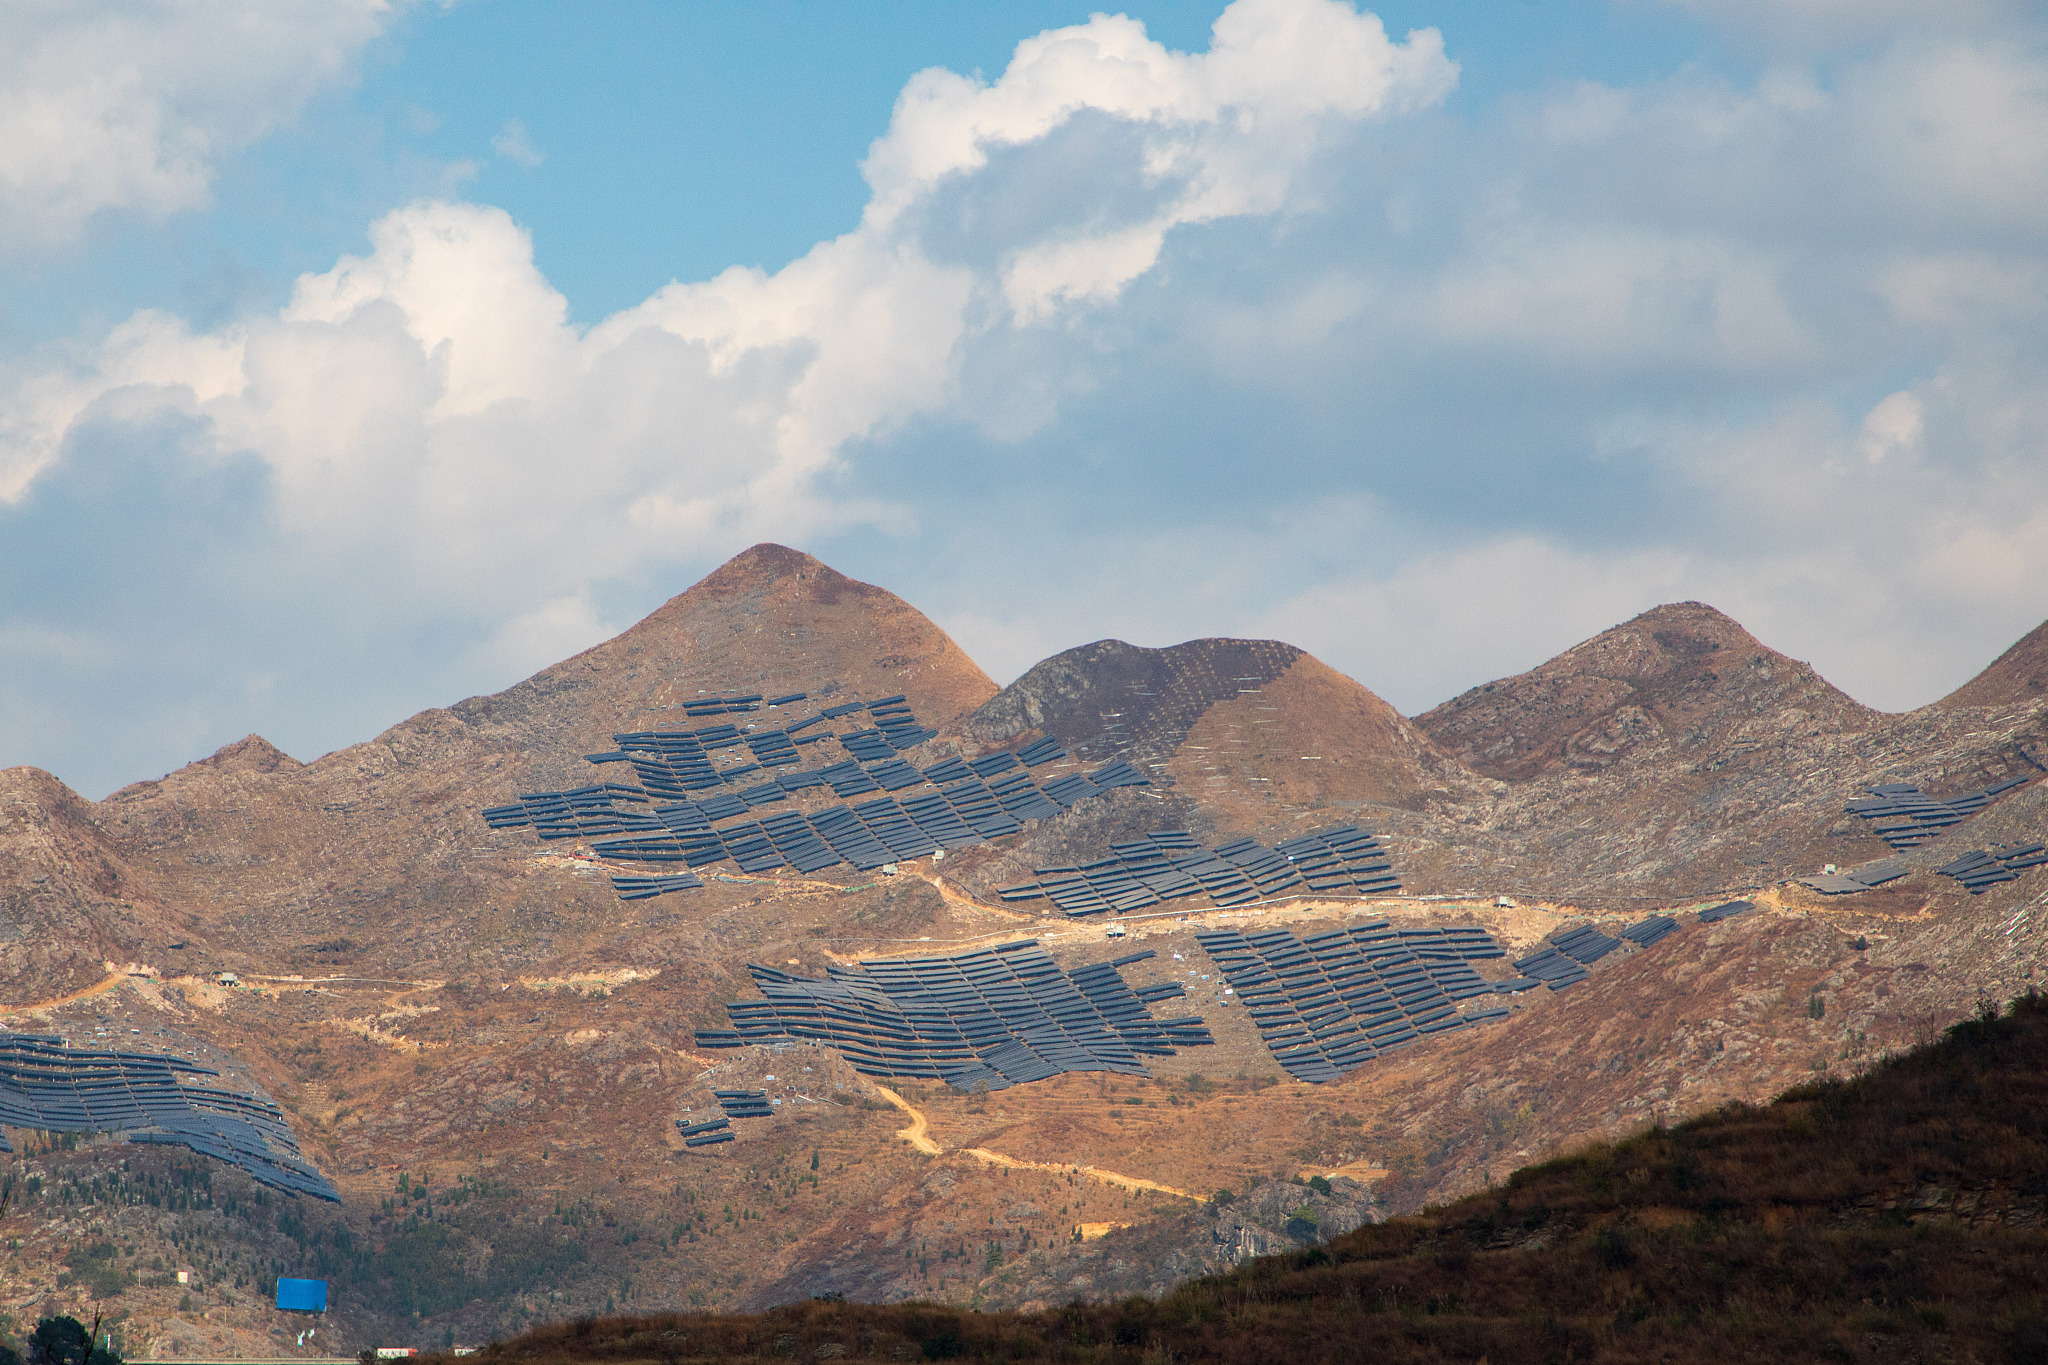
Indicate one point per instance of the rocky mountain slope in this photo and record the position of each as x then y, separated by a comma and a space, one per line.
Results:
2017, 677
488, 1051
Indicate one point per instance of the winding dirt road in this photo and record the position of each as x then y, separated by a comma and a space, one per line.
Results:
917, 1134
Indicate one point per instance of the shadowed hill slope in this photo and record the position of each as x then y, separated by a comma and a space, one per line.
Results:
1678, 670
1896, 1216
2018, 675
1261, 711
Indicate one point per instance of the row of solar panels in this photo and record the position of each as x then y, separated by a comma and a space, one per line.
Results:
1327, 1004
744, 1104
1857, 878
738, 702
671, 764
1714, 914
1980, 869
869, 835
46, 1086
708, 1134
1170, 864
998, 1017
1920, 817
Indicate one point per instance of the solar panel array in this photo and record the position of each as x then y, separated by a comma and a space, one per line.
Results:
999, 1017
674, 814
1329, 1003
1922, 817
48, 1086
1170, 864
1564, 957
1645, 932
708, 1134
1979, 870
1714, 914
744, 1104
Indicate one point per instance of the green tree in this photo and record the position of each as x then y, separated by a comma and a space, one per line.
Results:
66, 1341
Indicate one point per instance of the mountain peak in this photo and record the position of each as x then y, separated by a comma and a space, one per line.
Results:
1674, 668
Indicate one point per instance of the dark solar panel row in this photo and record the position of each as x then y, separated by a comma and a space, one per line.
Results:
47, 1086
647, 888
1645, 932
693, 1129
1169, 864
1980, 869
744, 1104
999, 1017
1329, 1003
1726, 910
1918, 817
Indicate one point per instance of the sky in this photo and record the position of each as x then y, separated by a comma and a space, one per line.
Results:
357, 356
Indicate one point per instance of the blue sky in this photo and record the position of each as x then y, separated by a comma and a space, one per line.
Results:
358, 357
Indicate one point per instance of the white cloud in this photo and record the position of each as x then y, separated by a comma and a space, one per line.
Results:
513, 144
111, 106
436, 441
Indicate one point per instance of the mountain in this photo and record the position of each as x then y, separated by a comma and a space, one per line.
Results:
2018, 675
1896, 1216
488, 1051
1675, 755
1682, 671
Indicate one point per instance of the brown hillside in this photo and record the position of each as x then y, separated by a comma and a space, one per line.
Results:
1893, 1217
2018, 675
1250, 731
1678, 671
435, 1003
380, 844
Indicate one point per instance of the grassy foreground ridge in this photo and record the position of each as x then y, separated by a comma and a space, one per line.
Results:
1898, 1216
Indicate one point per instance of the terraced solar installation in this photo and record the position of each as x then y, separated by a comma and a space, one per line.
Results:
1916, 817
1170, 865
48, 1086
693, 785
1714, 914
999, 1017
1981, 869
1329, 1003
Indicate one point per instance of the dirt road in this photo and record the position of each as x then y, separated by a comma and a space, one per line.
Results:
918, 1133
1122, 1182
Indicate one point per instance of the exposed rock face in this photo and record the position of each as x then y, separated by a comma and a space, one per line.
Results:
1671, 672
2017, 676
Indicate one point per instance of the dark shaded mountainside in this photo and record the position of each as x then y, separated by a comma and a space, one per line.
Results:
489, 1052
1899, 1215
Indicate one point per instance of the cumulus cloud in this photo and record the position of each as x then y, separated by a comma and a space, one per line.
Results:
438, 443
113, 106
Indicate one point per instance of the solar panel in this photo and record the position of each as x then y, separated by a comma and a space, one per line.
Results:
47, 1086
996, 1017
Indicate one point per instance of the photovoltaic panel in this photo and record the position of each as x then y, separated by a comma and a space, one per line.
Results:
999, 1017
46, 1085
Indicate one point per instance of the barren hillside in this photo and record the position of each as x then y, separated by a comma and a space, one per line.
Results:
489, 1051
